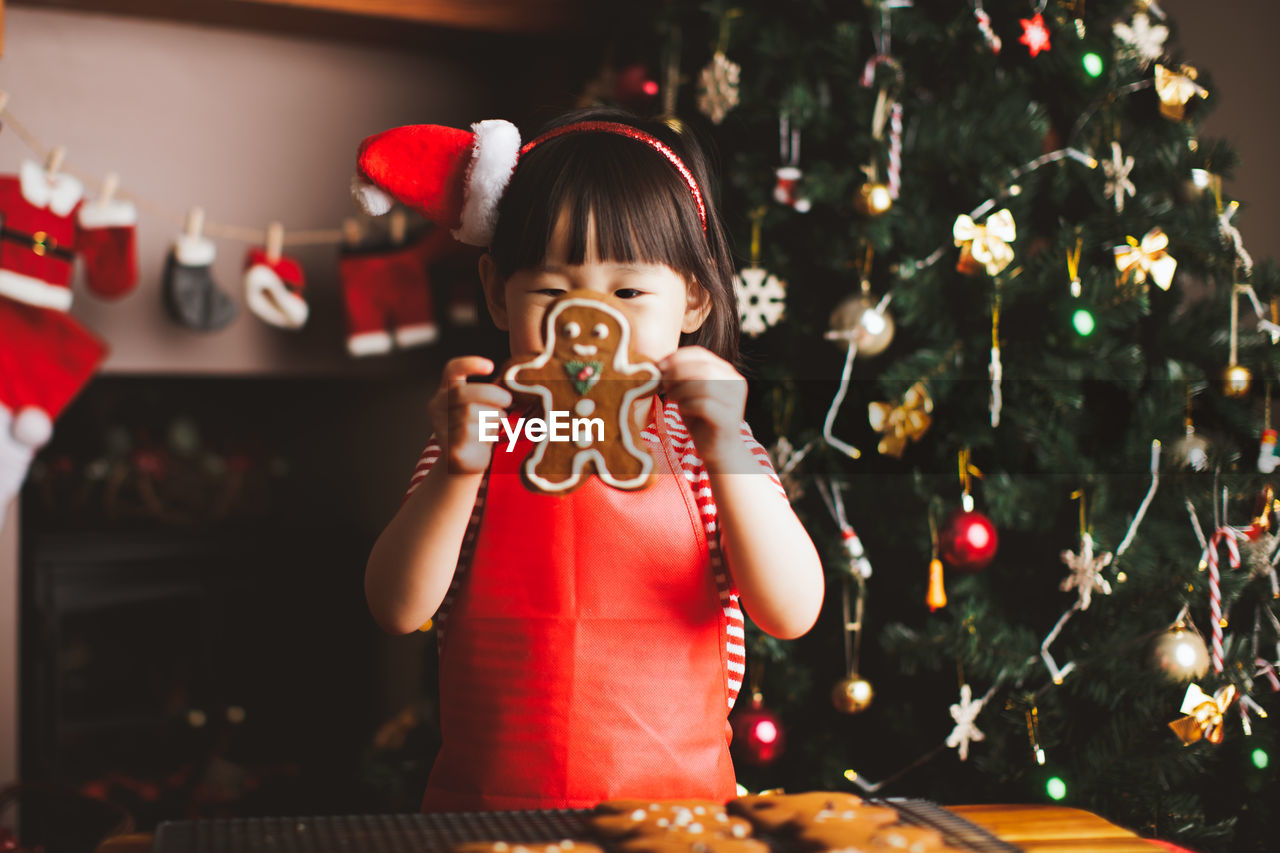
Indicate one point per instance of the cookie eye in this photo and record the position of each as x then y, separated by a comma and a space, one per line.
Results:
600, 330
571, 329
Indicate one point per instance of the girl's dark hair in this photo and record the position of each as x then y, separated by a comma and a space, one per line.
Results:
643, 210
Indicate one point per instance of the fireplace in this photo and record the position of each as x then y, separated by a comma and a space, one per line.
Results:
194, 637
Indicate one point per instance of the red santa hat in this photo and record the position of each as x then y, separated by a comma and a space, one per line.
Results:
453, 177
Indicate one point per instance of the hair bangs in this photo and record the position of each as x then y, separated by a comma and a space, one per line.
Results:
623, 204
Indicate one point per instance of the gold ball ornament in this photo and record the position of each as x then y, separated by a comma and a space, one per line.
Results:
1236, 380
856, 320
852, 695
873, 199
1180, 654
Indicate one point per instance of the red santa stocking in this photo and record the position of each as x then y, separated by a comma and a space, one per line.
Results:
273, 289
387, 296
46, 357
106, 240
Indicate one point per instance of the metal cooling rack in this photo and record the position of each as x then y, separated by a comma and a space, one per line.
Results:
957, 831
438, 833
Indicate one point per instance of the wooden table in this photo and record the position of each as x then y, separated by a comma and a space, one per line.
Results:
1053, 829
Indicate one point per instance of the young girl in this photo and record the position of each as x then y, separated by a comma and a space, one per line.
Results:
591, 644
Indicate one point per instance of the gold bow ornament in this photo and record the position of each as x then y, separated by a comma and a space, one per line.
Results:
1204, 714
1146, 257
907, 421
1175, 88
984, 245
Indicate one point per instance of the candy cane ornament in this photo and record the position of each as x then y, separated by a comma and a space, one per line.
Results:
1215, 588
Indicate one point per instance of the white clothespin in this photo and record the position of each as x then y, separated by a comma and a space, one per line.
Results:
352, 232
195, 222
109, 186
399, 224
54, 163
275, 242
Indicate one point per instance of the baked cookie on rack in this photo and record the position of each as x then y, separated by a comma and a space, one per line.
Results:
567, 845
788, 813
619, 819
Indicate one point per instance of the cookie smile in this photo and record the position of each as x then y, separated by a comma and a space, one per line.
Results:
584, 349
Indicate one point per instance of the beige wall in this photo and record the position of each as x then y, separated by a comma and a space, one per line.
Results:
1232, 42
252, 126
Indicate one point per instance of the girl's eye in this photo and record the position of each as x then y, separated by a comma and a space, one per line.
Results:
551, 291
626, 293
600, 330
571, 330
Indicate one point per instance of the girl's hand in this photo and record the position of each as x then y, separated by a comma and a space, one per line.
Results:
455, 413
712, 397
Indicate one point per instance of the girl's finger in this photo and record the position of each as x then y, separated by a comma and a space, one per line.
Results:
708, 410
457, 370
490, 396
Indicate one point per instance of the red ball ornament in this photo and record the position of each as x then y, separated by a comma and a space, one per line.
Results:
968, 541
758, 736
636, 85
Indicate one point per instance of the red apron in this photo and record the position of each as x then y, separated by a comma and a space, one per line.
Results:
586, 651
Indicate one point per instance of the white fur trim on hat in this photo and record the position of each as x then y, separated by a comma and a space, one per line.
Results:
32, 427
269, 298
493, 159
115, 213
369, 197
193, 251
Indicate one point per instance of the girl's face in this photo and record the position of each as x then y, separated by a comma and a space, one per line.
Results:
658, 302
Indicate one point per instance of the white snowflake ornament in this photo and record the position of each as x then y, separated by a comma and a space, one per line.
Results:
1142, 39
965, 712
761, 299
718, 87
1117, 170
1086, 571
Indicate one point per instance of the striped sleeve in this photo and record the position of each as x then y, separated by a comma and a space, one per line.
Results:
762, 456
428, 458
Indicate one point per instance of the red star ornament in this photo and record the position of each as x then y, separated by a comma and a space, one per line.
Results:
1035, 35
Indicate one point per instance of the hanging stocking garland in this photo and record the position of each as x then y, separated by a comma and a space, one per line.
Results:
190, 294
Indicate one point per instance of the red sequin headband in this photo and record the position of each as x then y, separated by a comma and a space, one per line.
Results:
639, 136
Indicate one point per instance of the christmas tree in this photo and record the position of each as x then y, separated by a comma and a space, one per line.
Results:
1008, 350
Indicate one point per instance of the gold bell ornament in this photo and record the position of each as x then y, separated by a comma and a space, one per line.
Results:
862, 321
1236, 378
852, 695
1180, 653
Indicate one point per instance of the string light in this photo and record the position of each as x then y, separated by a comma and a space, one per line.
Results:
1056, 788
1260, 759
1083, 322
1092, 63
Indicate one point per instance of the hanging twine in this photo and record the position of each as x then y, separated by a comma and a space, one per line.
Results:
244, 234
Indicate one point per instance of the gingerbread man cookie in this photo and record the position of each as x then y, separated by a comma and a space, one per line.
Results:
587, 381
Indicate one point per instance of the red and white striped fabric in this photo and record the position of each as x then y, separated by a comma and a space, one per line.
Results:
695, 473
